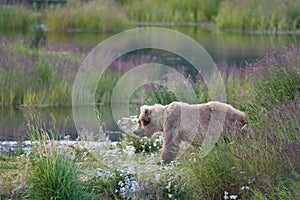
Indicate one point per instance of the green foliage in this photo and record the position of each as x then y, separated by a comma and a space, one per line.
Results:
257, 15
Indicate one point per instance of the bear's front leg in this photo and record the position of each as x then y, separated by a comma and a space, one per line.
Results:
170, 147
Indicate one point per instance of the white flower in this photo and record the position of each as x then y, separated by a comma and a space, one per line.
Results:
233, 196
245, 188
168, 187
157, 177
225, 195
170, 196
129, 150
99, 174
121, 183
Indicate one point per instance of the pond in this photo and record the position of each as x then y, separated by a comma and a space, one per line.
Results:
232, 48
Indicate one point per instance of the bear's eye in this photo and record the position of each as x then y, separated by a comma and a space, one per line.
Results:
146, 122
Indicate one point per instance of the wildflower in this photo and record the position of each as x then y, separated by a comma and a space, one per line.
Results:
129, 150
175, 188
233, 196
168, 187
99, 174
121, 184
157, 177
245, 188
225, 195
170, 196
154, 144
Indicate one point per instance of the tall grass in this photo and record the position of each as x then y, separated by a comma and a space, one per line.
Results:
17, 17
35, 76
259, 159
255, 15
260, 162
113, 16
53, 174
171, 11
98, 15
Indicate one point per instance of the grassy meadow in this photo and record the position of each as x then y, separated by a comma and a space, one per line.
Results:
260, 162
267, 16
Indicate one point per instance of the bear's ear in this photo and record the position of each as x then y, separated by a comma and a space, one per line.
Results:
146, 111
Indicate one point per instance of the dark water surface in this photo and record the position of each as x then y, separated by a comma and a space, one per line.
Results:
233, 48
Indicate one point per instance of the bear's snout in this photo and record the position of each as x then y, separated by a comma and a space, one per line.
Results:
139, 132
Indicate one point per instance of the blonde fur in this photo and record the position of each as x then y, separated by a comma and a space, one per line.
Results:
184, 122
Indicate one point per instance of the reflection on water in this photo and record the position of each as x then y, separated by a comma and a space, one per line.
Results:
59, 120
13, 123
228, 47
222, 46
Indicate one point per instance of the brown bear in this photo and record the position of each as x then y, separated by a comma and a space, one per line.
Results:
184, 122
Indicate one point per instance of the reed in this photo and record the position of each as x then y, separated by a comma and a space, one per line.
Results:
99, 15
17, 17
34, 77
171, 11
256, 15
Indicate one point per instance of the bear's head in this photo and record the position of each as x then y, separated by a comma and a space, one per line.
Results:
150, 120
